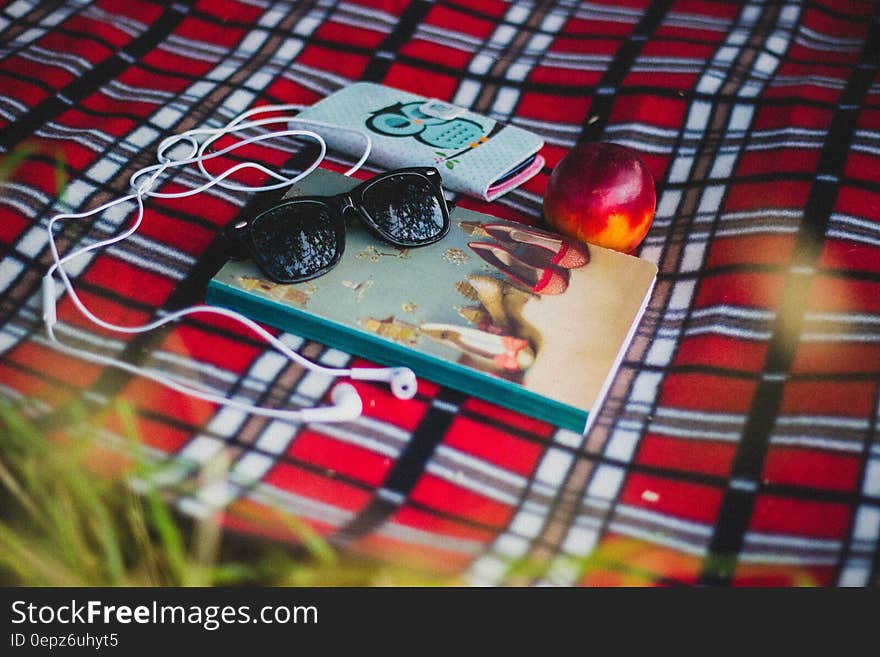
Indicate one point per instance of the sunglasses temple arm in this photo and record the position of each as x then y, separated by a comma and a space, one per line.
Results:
234, 234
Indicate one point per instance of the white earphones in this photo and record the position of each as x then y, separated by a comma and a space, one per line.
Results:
402, 380
346, 403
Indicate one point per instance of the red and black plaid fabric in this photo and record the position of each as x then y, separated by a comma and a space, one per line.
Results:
739, 443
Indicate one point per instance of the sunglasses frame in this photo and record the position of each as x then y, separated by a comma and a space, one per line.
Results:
337, 205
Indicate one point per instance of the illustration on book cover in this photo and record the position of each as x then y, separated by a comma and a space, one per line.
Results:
509, 300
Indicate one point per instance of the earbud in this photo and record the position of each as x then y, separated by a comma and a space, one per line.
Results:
346, 406
403, 383
401, 380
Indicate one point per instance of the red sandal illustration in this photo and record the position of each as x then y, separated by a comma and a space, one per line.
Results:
554, 249
548, 279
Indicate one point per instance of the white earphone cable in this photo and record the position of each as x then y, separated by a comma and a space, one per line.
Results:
401, 379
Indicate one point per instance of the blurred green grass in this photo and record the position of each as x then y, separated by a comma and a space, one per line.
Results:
64, 524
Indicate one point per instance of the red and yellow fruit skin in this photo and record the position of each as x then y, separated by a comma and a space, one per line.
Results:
603, 194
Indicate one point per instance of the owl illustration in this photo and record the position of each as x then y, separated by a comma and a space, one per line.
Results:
407, 120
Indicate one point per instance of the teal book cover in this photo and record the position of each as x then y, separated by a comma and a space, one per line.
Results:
523, 318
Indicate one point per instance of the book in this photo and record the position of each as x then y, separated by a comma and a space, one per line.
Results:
502, 311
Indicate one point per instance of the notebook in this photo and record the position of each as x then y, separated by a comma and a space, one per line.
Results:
498, 310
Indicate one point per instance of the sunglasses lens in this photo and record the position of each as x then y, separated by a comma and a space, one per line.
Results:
294, 241
405, 208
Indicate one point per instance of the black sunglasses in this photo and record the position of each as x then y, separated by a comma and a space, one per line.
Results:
304, 237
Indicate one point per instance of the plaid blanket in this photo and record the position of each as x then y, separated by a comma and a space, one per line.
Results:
739, 443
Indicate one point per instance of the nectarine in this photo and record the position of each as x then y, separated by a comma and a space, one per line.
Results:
601, 193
